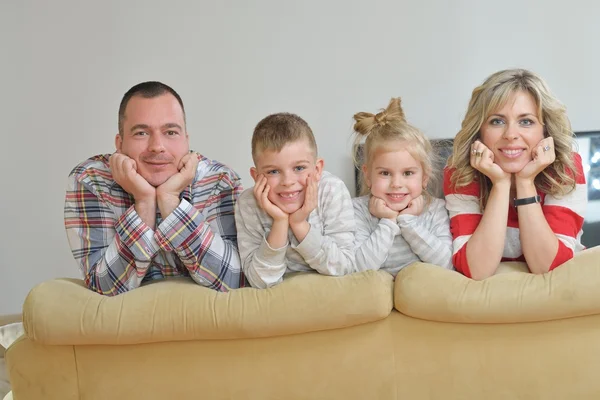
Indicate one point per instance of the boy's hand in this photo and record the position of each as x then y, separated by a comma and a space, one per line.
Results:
261, 194
310, 203
415, 206
124, 172
378, 208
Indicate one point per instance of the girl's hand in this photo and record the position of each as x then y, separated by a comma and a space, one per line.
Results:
378, 208
415, 206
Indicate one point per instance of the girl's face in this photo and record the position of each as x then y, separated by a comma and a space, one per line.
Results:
394, 176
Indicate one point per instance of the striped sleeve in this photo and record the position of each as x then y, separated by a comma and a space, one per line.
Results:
263, 266
565, 216
464, 212
433, 243
205, 238
372, 245
331, 251
113, 253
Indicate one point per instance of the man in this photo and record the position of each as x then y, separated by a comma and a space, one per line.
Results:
153, 209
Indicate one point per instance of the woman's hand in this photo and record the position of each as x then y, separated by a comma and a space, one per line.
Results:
482, 159
542, 155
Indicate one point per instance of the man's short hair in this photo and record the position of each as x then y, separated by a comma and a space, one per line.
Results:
147, 90
276, 130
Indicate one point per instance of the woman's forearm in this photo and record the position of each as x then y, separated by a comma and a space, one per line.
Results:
538, 242
486, 245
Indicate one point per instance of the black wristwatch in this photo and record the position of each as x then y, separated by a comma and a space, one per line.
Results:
527, 200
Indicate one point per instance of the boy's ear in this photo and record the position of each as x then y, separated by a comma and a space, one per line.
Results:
253, 173
365, 172
319, 167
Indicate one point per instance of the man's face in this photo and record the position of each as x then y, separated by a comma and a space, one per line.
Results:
154, 136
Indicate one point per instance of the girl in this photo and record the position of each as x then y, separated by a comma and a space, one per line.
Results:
398, 221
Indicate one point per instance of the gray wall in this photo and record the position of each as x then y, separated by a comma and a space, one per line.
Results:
65, 65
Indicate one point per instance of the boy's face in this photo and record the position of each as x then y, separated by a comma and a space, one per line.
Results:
286, 172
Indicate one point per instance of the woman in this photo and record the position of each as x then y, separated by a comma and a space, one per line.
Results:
514, 188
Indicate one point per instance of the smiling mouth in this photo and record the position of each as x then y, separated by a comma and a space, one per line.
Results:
288, 196
397, 196
512, 153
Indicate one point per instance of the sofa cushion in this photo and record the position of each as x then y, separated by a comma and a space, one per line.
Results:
512, 295
63, 311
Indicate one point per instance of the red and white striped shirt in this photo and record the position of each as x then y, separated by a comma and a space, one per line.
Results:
564, 216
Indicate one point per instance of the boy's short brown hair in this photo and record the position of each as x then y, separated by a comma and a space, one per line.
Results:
276, 130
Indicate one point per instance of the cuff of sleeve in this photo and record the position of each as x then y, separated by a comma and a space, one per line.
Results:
269, 255
136, 235
311, 245
185, 221
406, 220
394, 227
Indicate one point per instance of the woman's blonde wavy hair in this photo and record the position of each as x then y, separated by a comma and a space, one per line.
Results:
558, 178
390, 125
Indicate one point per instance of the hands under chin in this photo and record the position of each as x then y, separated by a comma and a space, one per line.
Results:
482, 159
124, 172
379, 209
542, 155
310, 203
415, 206
167, 194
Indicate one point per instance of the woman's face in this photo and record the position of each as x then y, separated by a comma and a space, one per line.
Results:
513, 131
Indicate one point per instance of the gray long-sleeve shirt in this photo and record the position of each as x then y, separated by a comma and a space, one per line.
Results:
383, 244
328, 248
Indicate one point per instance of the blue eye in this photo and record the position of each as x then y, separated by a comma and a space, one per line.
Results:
299, 168
496, 121
527, 122
272, 172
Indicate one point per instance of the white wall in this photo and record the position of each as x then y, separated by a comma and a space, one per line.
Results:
66, 64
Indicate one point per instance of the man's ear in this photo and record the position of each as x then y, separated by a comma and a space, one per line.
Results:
319, 165
365, 172
118, 142
253, 173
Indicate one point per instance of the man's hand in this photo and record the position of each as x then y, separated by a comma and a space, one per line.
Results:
482, 159
124, 172
378, 208
542, 155
261, 194
415, 206
167, 194
310, 203
187, 172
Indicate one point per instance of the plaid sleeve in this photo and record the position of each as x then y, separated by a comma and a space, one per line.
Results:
113, 253
203, 234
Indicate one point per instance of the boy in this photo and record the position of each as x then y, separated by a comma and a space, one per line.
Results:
297, 217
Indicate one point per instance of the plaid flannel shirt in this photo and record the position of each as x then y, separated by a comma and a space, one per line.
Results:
116, 251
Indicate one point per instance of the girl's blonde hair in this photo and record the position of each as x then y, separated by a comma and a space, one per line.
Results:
390, 125
559, 177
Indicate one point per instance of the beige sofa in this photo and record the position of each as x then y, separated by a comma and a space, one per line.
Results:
431, 334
